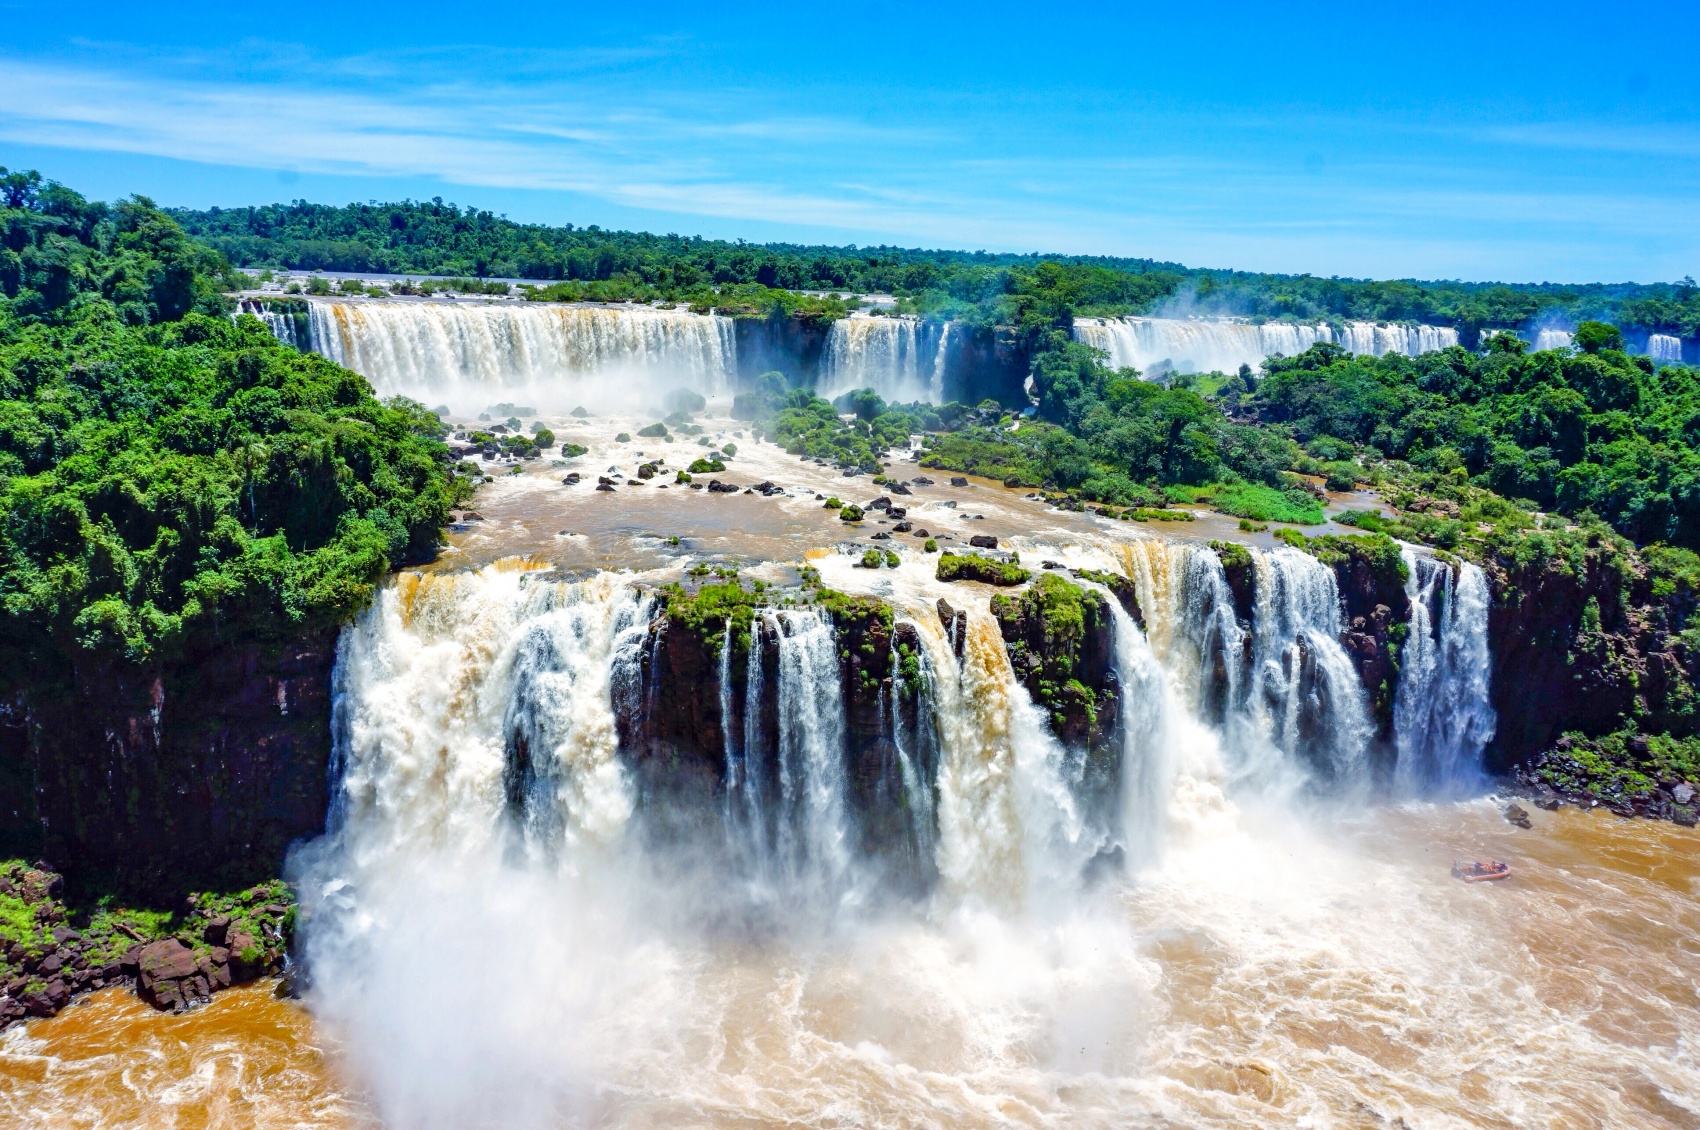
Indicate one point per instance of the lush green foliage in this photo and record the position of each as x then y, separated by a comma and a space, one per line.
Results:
1598, 432
1029, 291
1620, 767
169, 478
1060, 612
974, 567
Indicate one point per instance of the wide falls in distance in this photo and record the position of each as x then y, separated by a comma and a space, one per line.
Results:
933, 912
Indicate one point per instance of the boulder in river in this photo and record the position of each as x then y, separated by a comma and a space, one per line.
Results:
168, 975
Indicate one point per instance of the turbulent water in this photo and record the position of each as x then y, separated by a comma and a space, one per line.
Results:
900, 358
469, 353
1222, 345
1551, 338
506, 927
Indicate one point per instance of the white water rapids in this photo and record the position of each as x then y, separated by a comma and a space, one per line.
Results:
494, 940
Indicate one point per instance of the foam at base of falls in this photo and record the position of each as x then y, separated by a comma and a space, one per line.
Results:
469, 986
1665, 349
471, 352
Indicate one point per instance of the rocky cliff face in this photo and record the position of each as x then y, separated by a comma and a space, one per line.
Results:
979, 362
1062, 647
1376, 613
157, 782
1587, 640
793, 346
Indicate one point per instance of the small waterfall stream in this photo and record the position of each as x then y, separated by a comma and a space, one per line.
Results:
1443, 716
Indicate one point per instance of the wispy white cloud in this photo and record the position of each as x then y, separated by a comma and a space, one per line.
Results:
1201, 185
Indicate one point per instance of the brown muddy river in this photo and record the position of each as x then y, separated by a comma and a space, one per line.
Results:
1281, 963
1334, 976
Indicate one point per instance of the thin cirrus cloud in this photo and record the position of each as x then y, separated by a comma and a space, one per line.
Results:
1258, 189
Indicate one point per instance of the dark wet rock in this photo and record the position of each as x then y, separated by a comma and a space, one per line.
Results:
715, 486
166, 971
958, 481
921, 481
881, 536
883, 502
902, 527
899, 488
983, 541
922, 534
1061, 643
1515, 814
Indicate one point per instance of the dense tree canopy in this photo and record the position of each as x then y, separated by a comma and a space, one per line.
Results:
432, 237
169, 477
1588, 430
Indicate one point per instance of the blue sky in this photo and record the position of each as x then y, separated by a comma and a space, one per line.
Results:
1508, 141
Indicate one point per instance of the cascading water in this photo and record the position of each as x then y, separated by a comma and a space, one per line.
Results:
813, 837
898, 357
1551, 338
1665, 349
462, 701
1305, 698
610, 981
288, 324
472, 352
1191, 345
1147, 734
1442, 714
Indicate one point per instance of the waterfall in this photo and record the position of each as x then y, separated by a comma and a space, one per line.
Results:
1196, 345
475, 351
813, 840
898, 357
1190, 622
1442, 714
286, 324
1147, 764
1553, 339
941, 358
471, 701
1305, 698
1665, 349
1011, 832
916, 746
1379, 340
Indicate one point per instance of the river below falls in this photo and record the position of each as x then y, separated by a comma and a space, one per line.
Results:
1284, 963
1320, 972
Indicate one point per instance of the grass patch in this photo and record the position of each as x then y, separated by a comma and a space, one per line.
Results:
973, 567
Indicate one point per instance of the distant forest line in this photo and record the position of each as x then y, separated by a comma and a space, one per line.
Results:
1031, 291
